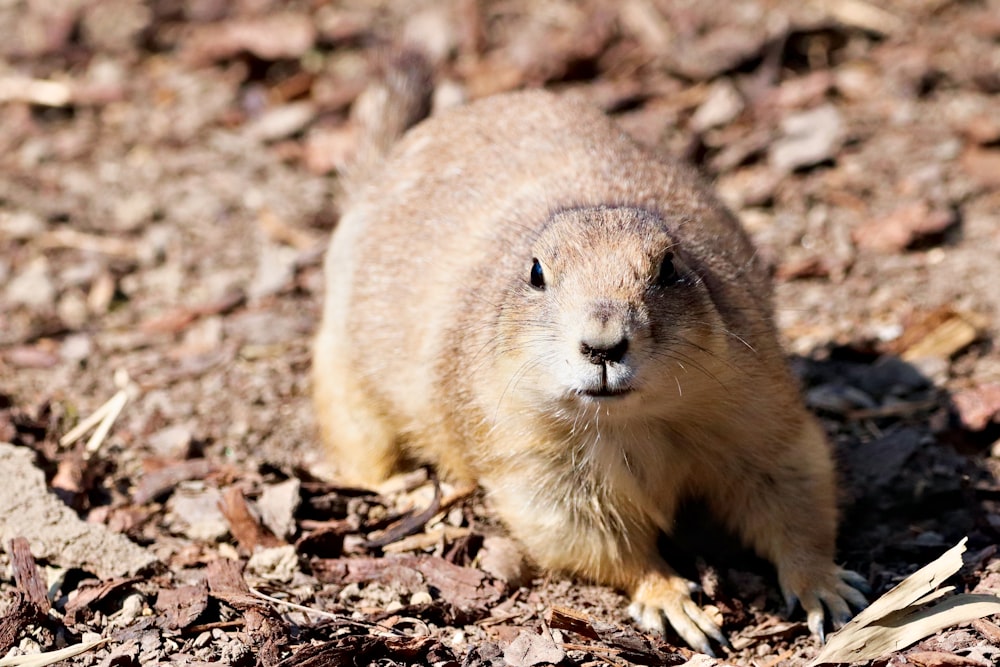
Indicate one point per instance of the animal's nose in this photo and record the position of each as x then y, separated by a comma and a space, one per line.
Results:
601, 354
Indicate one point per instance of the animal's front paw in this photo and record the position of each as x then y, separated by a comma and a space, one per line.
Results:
833, 588
667, 596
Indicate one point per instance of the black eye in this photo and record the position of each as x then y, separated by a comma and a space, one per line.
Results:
668, 272
537, 276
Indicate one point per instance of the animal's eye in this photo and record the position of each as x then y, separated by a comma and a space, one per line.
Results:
537, 275
668, 272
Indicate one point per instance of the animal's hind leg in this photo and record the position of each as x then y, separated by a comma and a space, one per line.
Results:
359, 440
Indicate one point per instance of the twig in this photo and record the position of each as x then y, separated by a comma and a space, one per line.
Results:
52, 657
116, 404
299, 607
84, 426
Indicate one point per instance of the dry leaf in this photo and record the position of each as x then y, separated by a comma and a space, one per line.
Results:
894, 621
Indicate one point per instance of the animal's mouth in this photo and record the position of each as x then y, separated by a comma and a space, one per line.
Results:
608, 386
607, 392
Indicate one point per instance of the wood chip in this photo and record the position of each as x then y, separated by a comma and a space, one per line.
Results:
983, 166
325, 542
159, 482
531, 648
943, 659
277, 505
942, 333
178, 608
267, 631
70, 479
245, 527
355, 649
21, 612
464, 587
32, 356
624, 643
978, 407
981, 128
26, 574
503, 559
409, 524
282, 121
808, 138
178, 319
78, 608
66, 237
988, 629
270, 37
562, 618
427, 539
863, 15
908, 226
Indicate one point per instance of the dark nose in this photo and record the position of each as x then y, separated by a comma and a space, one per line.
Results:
602, 355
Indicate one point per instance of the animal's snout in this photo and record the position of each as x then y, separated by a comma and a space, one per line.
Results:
602, 353
605, 337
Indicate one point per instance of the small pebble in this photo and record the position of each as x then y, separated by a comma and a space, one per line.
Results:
421, 598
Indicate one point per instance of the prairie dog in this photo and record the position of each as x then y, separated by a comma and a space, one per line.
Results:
520, 295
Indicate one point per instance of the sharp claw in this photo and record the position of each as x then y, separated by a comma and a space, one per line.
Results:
833, 594
791, 602
816, 626
704, 623
715, 633
692, 634
649, 618
856, 581
853, 596
837, 607
686, 618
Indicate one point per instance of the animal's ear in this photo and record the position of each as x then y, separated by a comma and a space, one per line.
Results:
729, 295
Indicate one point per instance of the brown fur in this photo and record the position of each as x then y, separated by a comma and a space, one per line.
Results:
434, 346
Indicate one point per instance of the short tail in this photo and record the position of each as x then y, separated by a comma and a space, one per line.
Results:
385, 110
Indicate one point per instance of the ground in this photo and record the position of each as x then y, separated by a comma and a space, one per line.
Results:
168, 179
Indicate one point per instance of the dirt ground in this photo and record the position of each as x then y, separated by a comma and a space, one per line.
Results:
168, 182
